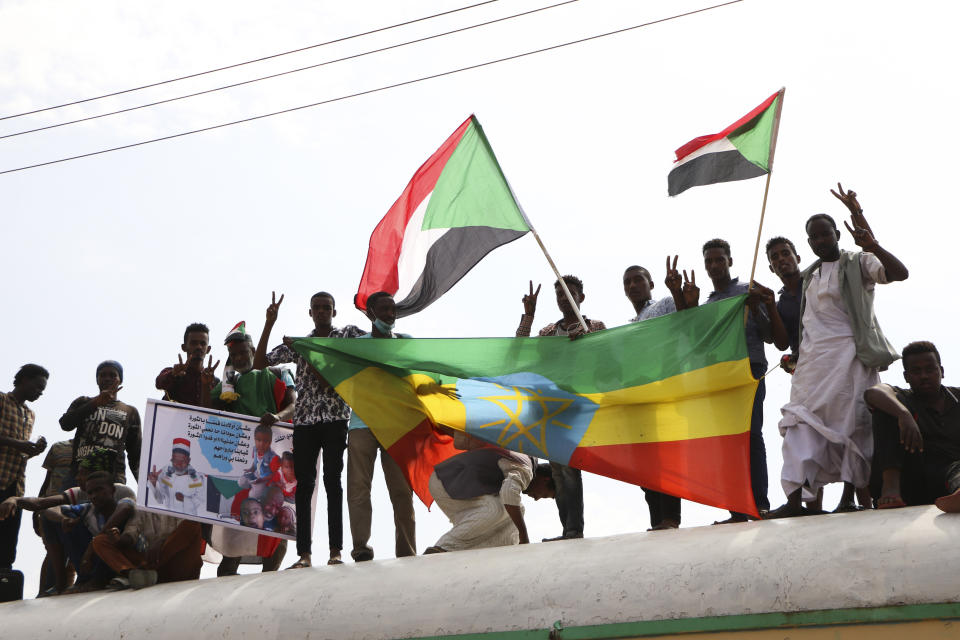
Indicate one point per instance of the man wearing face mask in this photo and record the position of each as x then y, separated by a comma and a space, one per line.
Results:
362, 447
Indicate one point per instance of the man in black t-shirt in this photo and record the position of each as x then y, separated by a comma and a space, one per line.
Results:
916, 435
102, 421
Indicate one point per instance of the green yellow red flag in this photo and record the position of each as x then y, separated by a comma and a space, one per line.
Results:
664, 403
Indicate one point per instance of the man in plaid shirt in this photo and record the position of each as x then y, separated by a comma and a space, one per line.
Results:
319, 424
16, 425
568, 480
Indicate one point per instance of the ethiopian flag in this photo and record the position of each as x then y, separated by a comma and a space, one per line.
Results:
664, 403
456, 209
741, 151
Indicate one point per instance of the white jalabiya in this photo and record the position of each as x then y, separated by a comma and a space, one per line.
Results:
826, 428
483, 521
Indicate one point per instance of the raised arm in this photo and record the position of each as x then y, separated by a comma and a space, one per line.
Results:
862, 234
675, 284
273, 310
529, 309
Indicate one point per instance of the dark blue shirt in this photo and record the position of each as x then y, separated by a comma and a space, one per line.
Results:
758, 324
788, 306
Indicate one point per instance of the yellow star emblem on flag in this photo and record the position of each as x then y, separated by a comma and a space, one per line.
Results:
516, 404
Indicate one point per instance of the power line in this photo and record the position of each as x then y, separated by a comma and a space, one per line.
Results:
284, 73
376, 90
240, 64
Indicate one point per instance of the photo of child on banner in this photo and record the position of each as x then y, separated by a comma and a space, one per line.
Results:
218, 467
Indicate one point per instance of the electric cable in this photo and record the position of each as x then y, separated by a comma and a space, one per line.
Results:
284, 73
240, 64
375, 90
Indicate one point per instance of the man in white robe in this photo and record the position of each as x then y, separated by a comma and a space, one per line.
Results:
826, 426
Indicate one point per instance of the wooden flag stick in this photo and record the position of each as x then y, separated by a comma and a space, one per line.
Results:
766, 189
756, 249
563, 284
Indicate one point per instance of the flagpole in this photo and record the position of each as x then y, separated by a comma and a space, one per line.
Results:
563, 283
523, 214
766, 189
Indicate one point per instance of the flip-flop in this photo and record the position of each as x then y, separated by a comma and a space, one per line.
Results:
890, 502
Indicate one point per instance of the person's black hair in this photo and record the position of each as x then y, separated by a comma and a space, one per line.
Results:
716, 243
196, 327
28, 371
779, 240
819, 216
373, 297
287, 455
918, 347
324, 294
572, 281
542, 470
636, 267
262, 428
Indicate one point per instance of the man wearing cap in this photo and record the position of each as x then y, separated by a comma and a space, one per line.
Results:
258, 393
103, 421
178, 486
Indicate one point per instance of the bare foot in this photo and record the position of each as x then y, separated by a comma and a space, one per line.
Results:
950, 503
890, 502
848, 506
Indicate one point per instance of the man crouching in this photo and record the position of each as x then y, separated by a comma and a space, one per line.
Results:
479, 491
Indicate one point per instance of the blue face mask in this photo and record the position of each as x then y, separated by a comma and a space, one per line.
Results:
383, 327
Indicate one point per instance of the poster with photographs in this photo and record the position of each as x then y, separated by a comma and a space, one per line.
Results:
218, 467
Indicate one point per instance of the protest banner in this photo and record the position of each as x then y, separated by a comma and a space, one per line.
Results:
218, 467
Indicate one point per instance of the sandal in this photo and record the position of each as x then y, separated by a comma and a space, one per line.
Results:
301, 564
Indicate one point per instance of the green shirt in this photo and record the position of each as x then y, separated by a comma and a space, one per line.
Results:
260, 392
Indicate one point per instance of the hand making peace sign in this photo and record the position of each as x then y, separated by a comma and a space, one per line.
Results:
673, 281
861, 231
691, 292
274, 309
530, 300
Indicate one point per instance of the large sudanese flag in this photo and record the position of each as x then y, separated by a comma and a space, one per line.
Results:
741, 151
455, 210
664, 403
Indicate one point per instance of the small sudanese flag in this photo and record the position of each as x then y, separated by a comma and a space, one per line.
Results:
741, 151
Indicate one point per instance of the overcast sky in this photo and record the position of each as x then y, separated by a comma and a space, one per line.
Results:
112, 256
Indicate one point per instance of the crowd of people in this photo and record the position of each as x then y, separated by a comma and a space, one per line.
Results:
890, 446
